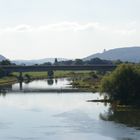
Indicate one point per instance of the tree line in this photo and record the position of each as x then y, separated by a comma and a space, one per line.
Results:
4, 63
81, 62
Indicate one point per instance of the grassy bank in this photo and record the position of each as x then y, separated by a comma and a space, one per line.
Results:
89, 81
33, 75
13, 78
57, 74
80, 79
8, 80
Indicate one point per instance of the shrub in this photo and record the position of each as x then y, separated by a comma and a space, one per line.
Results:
123, 84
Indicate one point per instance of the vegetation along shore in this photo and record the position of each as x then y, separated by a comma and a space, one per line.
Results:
121, 84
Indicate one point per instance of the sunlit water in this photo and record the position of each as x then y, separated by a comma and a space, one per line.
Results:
58, 116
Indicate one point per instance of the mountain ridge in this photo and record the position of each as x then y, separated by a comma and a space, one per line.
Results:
131, 54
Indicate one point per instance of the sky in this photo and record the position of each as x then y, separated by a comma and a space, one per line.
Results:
35, 29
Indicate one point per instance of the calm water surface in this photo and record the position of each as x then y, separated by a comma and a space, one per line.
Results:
62, 116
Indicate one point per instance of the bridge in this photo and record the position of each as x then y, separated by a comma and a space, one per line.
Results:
51, 69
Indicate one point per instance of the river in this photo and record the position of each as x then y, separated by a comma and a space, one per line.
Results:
36, 111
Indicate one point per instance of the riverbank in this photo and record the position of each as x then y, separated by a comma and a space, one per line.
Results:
57, 74
44, 75
85, 80
8, 80
89, 81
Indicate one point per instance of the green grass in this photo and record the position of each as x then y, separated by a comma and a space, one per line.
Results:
33, 75
8, 80
57, 74
81, 79
87, 83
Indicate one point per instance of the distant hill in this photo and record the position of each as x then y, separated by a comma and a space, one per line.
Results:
37, 61
2, 58
131, 54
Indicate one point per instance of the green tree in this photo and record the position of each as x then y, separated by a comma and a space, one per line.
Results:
2, 73
5, 62
78, 62
123, 84
97, 60
55, 61
47, 64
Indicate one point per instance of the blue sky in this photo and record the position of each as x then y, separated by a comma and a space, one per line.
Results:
32, 29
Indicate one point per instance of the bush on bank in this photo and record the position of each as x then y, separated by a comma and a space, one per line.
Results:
123, 84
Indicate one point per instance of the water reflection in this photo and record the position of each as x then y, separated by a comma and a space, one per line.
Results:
124, 115
50, 81
20, 85
37, 85
56, 81
4, 89
62, 116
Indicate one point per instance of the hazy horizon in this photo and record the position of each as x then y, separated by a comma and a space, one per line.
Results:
37, 29
22, 59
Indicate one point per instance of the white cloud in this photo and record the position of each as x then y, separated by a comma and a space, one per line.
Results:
23, 27
19, 28
74, 26
65, 39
